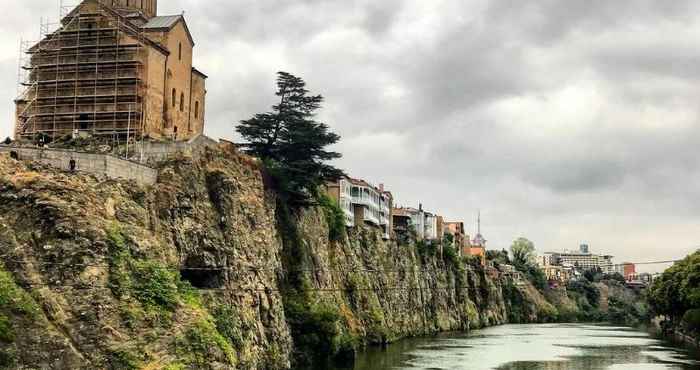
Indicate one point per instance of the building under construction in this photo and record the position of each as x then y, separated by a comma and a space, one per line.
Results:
111, 68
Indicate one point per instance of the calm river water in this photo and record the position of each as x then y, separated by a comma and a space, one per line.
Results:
533, 347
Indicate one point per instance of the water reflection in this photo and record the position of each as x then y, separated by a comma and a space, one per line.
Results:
532, 347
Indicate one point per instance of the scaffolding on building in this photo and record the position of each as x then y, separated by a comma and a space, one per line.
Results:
83, 76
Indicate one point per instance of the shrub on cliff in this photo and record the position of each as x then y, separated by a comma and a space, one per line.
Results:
291, 143
585, 289
316, 331
334, 216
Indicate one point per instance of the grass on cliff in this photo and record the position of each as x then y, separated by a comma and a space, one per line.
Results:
14, 301
152, 292
158, 288
201, 343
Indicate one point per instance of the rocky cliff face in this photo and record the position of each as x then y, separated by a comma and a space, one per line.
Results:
205, 270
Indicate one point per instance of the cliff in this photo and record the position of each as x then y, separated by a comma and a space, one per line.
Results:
206, 270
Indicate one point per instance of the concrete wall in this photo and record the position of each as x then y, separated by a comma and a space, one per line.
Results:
98, 164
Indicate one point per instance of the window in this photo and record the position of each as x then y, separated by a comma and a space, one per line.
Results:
174, 98
196, 110
179, 51
182, 102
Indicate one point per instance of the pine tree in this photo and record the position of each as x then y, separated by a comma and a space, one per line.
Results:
291, 143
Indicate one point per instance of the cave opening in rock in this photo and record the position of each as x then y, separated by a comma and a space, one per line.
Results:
201, 276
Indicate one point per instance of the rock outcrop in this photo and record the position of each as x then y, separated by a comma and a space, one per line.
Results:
206, 270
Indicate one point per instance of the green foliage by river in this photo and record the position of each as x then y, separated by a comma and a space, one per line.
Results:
676, 295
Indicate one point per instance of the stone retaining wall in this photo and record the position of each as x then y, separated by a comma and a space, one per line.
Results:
154, 152
98, 164
141, 167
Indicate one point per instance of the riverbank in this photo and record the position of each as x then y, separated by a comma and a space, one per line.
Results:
674, 335
559, 346
207, 268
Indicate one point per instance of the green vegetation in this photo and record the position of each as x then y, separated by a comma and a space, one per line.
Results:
676, 293
123, 359
426, 249
691, 320
228, 325
523, 252
202, 343
449, 254
158, 289
623, 312
291, 144
317, 331
498, 257
335, 217
13, 301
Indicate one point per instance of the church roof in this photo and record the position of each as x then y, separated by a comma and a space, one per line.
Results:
162, 21
166, 23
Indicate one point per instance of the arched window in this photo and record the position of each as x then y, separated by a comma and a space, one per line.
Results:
196, 110
182, 102
174, 98
179, 51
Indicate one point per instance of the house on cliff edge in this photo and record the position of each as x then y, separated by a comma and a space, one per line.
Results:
111, 68
363, 203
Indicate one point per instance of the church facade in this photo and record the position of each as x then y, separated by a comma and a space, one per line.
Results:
112, 68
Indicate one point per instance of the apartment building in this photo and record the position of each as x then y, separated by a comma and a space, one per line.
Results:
582, 260
426, 225
363, 203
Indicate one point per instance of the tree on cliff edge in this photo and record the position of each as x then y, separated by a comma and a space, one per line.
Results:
291, 143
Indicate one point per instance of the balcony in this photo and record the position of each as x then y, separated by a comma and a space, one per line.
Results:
371, 218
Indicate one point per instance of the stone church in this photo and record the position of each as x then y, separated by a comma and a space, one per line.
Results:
112, 68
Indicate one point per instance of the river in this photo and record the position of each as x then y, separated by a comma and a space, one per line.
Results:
532, 347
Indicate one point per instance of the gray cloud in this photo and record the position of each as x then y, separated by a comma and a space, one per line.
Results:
564, 121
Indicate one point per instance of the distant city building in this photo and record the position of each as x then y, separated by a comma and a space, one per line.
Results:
560, 274
584, 248
363, 203
582, 260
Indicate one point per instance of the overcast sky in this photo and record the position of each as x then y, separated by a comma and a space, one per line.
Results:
563, 121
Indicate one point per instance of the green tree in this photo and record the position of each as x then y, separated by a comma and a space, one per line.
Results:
499, 257
291, 143
523, 252
677, 290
